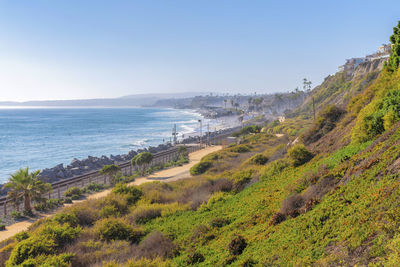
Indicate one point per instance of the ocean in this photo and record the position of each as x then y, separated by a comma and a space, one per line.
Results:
44, 137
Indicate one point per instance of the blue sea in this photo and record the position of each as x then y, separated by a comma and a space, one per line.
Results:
44, 137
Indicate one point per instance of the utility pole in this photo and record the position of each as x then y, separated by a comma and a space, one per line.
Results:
313, 107
208, 134
201, 132
174, 134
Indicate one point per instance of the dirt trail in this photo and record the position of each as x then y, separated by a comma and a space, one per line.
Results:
168, 175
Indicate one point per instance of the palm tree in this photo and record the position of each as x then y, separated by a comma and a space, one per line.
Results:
142, 160
27, 187
110, 171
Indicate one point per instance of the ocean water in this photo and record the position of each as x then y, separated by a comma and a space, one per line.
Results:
44, 137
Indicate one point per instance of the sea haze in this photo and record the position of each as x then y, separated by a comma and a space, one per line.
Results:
44, 137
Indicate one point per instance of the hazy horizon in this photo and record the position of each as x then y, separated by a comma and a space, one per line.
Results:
97, 49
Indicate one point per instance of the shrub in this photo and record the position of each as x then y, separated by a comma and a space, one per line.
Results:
73, 193
202, 234
194, 257
48, 204
299, 155
2, 227
119, 202
219, 222
29, 248
21, 236
66, 217
275, 168
68, 200
108, 211
93, 187
61, 234
116, 229
62, 260
277, 218
143, 214
45, 241
240, 148
291, 205
133, 193
17, 215
241, 178
85, 214
325, 122
259, 159
237, 245
247, 130
156, 245
200, 168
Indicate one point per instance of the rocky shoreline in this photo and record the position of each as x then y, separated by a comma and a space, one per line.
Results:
79, 167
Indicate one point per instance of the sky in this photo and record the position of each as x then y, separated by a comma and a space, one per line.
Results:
73, 49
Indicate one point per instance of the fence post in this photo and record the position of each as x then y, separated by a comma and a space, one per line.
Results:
5, 207
82, 182
58, 191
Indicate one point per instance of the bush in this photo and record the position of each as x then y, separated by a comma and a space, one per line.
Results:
259, 159
275, 168
325, 122
292, 205
108, 211
93, 187
2, 227
237, 245
116, 229
21, 236
45, 241
277, 218
73, 192
219, 222
194, 257
65, 217
119, 202
17, 215
200, 168
240, 148
143, 214
241, 178
156, 245
85, 214
299, 155
62, 260
247, 130
30, 248
133, 193
68, 200
48, 204
202, 234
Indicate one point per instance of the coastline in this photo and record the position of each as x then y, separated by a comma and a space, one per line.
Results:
59, 172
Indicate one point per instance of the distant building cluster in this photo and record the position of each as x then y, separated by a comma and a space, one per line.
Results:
352, 63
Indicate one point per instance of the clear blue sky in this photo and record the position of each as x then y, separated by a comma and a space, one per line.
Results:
68, 49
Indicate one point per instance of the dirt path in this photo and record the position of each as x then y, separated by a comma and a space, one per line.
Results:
168, 175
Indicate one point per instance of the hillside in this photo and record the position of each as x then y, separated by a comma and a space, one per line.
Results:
325, 193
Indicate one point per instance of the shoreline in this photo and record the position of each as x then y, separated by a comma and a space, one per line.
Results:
59, 172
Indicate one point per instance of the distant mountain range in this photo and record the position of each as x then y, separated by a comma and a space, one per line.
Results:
124, 101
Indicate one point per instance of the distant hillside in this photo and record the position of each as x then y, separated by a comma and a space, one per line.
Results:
125, 101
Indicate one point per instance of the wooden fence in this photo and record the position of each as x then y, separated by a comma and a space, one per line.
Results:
59, 188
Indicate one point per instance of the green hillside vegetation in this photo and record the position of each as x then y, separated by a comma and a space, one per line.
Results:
331, 199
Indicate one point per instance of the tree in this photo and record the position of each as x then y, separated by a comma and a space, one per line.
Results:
142, 160
394, 60
26, 187
225, 100
110, 171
